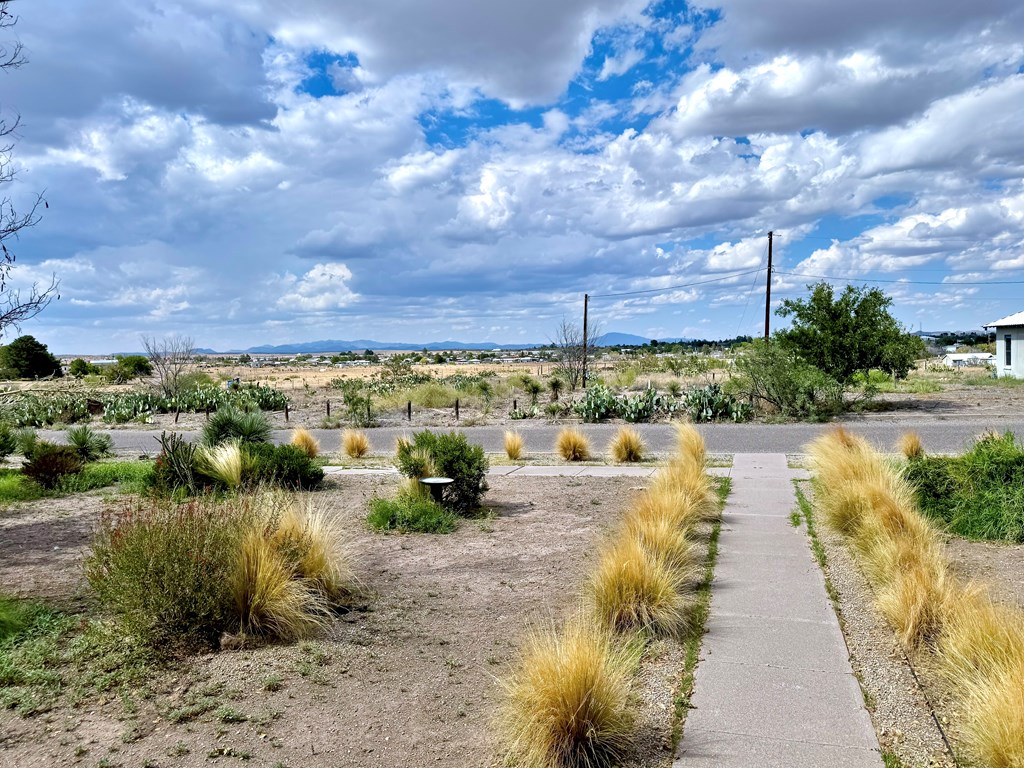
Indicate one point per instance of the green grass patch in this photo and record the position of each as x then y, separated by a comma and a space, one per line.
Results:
411, 514
48, 654
978, 495
130, 476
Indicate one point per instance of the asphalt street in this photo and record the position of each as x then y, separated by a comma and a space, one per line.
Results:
940, 435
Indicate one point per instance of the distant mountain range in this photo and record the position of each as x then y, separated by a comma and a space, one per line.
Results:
325, 346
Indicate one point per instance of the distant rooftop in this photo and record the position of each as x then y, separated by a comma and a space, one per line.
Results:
1015, 319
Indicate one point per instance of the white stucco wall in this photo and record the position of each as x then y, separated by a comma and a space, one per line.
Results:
1016, 366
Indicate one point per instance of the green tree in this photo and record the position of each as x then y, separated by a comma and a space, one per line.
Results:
80, 368
129, 367
846, 334
27, 358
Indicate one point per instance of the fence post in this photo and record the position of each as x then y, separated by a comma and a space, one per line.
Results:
456, 409
207, 413
328, 409
515, 406
408, 410
286, 411
367, 410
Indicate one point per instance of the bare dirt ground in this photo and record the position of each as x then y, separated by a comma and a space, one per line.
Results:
407, 679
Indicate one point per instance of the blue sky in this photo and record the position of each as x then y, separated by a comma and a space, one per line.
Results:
249, 173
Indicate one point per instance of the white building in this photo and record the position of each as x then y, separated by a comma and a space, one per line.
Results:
1009, 345
968, 359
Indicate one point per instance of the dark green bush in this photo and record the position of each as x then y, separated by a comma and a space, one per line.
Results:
26, 440
49, 463
229, 423
776, 379
979, 495
411, 514
90, 445
8, 441
282, 465
453, 457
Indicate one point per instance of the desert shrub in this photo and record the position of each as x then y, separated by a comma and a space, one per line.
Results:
514, 444
411, 513
228, 423
89, 445
181, 574
357, 397
193, 380
49, 463
354, 443
283, 466
640, 407
598, 403
452, 456
26, 440
8, 441
176, 466
567, 704
572, 445
779, 381
627, 446
305, 442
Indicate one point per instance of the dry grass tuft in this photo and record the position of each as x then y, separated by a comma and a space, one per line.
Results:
683, 510
661, 538
355, 443
313, 543
910, 445
627, 446
687, 478
402, 443
568, 705
224, 462
690, 444
633, 590
572, 445
305, 442
268, 599
993, 722
514, 444
979, 637
916, 600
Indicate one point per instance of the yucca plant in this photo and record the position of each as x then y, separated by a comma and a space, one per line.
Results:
228, 423
89, 445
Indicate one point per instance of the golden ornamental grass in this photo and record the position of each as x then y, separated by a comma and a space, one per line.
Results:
314, 544
303, 439
355, 443
689, 444
572, 445
683, 510
514, 444
627, 446
568, 703
663, 539
910, 445
224, 462
632, 590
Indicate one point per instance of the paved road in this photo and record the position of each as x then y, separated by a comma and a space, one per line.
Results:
939, 435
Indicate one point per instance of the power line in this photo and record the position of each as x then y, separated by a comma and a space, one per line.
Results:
673, 287
903, 282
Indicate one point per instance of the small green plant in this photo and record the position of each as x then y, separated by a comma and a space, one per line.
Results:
452, 456
8, 440
90, 445
411, 513
229, 423
26, 440
50, 463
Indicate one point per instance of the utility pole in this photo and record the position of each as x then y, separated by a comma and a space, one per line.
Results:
768, 290
586, 301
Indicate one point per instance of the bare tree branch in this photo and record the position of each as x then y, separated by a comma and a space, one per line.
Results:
171, 358
569, 342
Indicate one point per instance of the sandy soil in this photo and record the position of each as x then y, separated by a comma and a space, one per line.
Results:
407, 679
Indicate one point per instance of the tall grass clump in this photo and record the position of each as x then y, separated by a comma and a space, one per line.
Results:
355, 443
627, 446
910, 445
180, 574
224, 462
572, 445
663, 539
634, 590
684, 510
568, 702
303, 440
689, 444
514, 444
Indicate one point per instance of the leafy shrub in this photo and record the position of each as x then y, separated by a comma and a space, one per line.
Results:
8, 441
781, 382
49, 463
454, 457
89, 445
284, 466
229, 423
411, 513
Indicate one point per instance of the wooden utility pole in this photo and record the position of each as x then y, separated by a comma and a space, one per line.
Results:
768, 290
586, 301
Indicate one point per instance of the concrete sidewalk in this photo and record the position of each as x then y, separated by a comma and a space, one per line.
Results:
535, 470
773, 686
